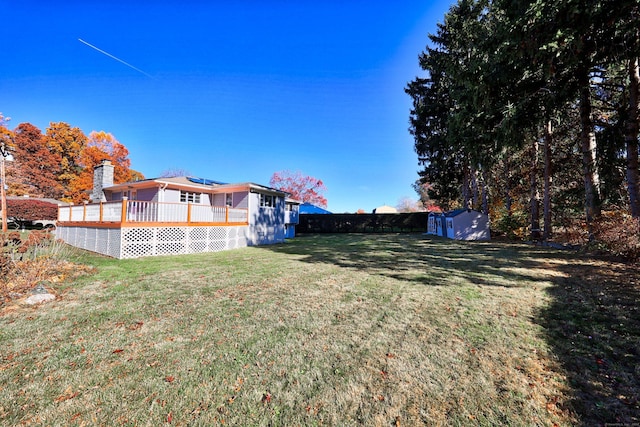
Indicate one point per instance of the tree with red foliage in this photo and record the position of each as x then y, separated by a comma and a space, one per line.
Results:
301, 187
35, 169
26, 210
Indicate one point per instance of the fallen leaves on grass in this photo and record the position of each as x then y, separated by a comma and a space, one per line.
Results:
68, 394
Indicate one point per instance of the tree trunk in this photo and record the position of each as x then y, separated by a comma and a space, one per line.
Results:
475, 189
507, 187
631, 139
466, 188
588, 145
485, 192
548, 140
534, 199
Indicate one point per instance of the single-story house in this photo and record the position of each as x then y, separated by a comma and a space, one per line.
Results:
179, 215
459, 224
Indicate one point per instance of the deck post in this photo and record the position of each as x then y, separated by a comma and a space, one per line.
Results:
70, 211
226, 215
188, 213
101, 211
84, 211
123, 214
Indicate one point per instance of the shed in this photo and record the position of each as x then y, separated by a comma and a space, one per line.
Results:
435, 224
460, 224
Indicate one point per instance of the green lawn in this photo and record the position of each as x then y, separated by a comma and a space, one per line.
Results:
331, 330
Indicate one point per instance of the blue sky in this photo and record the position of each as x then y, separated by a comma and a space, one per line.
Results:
230, 90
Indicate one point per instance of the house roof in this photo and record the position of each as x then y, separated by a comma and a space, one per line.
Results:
191, 183
453, 213
456, 212
308, 208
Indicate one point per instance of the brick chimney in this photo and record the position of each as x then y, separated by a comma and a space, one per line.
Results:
102, 178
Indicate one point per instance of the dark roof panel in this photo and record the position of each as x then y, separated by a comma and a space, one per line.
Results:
204, 181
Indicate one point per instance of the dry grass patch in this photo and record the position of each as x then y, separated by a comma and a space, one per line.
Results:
30, 259
325, 330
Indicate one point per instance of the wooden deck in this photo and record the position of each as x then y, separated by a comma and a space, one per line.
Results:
136, 213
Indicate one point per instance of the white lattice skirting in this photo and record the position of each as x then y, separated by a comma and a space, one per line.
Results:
135, 242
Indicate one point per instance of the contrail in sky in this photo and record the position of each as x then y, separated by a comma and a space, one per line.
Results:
113, 57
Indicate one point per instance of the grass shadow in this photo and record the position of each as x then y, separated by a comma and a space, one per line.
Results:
592, 323
420, 259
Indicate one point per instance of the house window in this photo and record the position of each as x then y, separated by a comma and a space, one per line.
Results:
267, 201
188, 197
229, 197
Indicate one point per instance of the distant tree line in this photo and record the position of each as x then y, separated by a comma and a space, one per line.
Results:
59, 163
529, 110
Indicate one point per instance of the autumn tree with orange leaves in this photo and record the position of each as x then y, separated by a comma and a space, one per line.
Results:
101, 146
301, 187
68, 143
60, 163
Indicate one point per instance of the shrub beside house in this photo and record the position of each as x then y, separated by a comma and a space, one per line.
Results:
31, 212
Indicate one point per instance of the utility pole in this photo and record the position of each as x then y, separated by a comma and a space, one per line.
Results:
3, 193
5, 156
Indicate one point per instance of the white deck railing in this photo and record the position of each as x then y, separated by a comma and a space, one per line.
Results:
136, 211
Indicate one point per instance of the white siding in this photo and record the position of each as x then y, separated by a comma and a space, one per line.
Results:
171, 196
219, 199
471, 225
266, 224
241, 200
